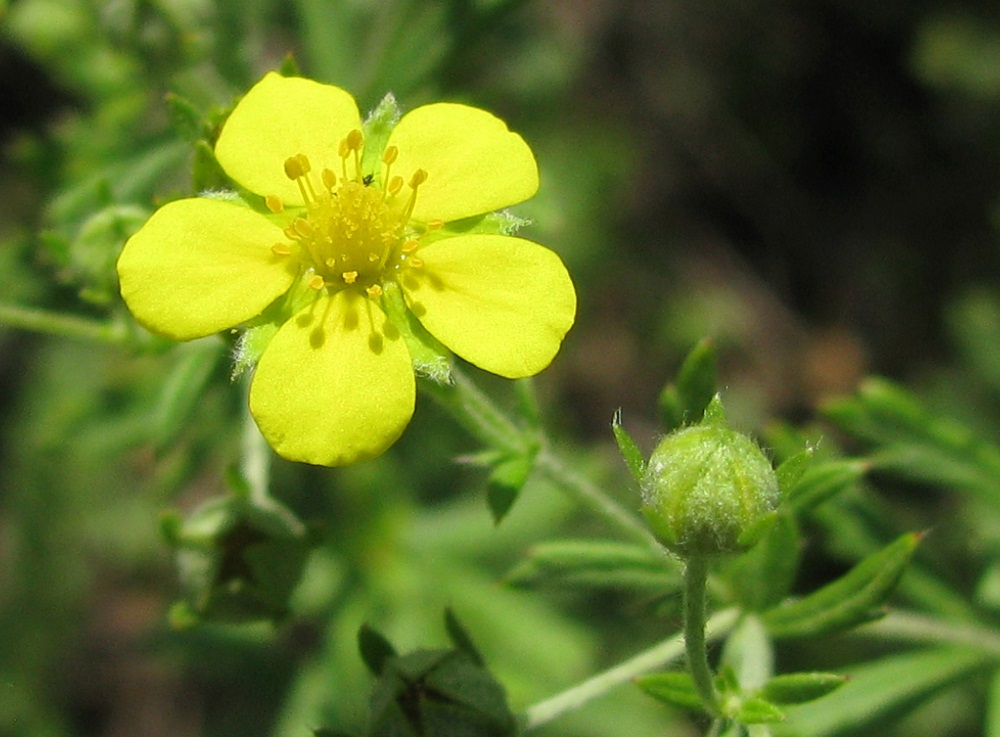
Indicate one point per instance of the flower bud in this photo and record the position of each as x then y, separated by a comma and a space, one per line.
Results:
707, 490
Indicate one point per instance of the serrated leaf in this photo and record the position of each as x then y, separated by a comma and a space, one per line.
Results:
460, 637
877, 689
675, 688
798, 688
628, 448
375, 649
685, 400
758, 711
850, 600
505, 483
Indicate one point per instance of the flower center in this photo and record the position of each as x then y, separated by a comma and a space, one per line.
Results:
354, 231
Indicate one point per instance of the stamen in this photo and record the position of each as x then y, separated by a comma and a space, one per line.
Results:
435, 224
390, 155
329, 179
374, 291
418, 178
410, 245
303, 227
395, 184
273, 203
415, 261
291, 233
315, 282
293, 167
330, 262
281, 249
350, 277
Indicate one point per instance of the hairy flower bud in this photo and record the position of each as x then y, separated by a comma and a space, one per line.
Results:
707, 489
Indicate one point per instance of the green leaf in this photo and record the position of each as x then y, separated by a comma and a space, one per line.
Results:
876, 690
914, 443
758, 711
187, 119
824, 480
764, 575
375, 649
505, 484
460, 637
798, 688
685, 400
790, 471
182, 391
850, 600
628, 448
992, 722
675, 688
596, 564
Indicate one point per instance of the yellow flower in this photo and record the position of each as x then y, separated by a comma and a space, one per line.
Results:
337, 231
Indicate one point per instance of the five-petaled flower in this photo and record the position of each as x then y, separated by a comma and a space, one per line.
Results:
335, 231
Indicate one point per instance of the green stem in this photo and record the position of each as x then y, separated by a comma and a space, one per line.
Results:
477, 413
664, 652
67, 326
695, 579
255, 456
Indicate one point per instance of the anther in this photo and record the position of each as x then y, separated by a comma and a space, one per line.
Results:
410, 246
354, 139
296, 166
374, 291
315, 282
303, 227
415, 261
390, 155
435, 224
418, 178
281, 249
330, 262
273, 203
395, 184
291, 233
349, 277
329, 179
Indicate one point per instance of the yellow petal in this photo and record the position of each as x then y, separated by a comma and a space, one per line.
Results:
501, 303
281, 117
335, 384
199, 266
474, 164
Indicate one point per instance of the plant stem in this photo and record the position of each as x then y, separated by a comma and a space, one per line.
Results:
695, 578
67, 326
664, 652
477, 413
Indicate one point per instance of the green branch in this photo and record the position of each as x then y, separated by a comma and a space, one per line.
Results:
67, 326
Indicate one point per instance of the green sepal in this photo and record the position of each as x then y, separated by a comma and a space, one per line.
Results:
505, 483
289, 66
430, 359
675, 688
685, 400
798, 688
501, 222
791, 470
250, 347
376, 129
375, 649
595, 564
763, 576
187, 120
206, 173
628, 448
852, 599
758, 711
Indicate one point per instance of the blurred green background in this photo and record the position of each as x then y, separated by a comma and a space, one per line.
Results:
814, 185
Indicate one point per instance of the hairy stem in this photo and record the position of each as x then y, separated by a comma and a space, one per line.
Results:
695, 579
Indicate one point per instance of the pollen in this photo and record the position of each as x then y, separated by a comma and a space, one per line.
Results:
354, 231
